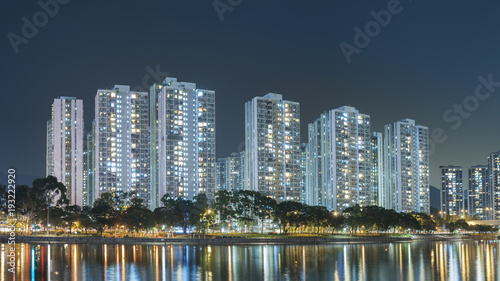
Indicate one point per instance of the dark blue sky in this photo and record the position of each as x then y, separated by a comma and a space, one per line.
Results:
423, 62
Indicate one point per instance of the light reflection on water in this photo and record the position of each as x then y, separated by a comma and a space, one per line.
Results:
458, 260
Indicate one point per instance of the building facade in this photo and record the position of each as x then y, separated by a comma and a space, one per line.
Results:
65, 156
234, 171
303, 172
479, 195
121, 150
340, 160
272, 147
406, 167
182, 141
230, 172
220, 174
89, 169
452, 191
377, 177
493, 211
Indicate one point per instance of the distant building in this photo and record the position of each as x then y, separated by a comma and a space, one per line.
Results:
230, 172
452, 191
494, 185
182, 134
377, 177
235, 170
303, 172
220, 174
406, 167
65, 156
121, 151
340, 160
479, 195
89, 169
272, 142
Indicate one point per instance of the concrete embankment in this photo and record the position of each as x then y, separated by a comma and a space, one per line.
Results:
244, 241
207, 241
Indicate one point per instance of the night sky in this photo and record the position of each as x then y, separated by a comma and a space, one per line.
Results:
425, 60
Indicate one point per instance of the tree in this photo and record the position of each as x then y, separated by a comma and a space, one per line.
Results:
207, 219
198, 209
181, 209
317, 217
33, 202
3, 197
49, 190
354, 217
25, 204
86, 219
138, 217
451, 226
408, 221
244, 206
389, 220
164, 217
461, 224
263, 208
336, 220
224, 206
72, 214
103, 212
56, 217
289, 214
426, 222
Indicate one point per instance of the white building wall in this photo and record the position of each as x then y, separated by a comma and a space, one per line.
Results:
183, 146
272, 152
65, 146
407, 167
121, 118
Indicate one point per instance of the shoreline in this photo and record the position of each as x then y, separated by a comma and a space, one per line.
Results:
246, 241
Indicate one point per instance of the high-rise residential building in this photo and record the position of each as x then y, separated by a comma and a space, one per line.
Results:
377, 176
493, 210
182, 141
452, 191
234, 171
230, 172
318, 188
272, 147
479, 195
65, 146
303, 172
220, 174
406, 167
89, 169
121, 155
49, 141
340, 160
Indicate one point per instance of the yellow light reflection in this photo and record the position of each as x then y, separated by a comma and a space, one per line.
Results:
123, 263
105, 262
74, 274
157, 263
230, 264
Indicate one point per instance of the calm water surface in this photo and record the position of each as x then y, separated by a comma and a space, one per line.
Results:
458, 260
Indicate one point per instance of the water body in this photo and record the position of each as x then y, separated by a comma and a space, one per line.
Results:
445, 260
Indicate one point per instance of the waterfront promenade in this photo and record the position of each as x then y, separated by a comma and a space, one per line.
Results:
242, 240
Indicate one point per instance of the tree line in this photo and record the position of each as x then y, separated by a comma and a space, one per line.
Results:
240, 209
